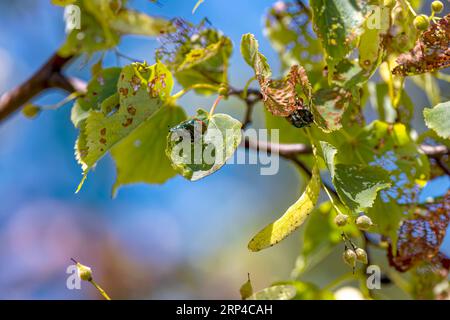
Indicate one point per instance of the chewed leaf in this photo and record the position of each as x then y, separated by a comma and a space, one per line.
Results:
438, 119
201, 145
431, 52
280, 292
291, 219
142, 90
281, 97
329, 106
195, 54
420, 238
140, 157
357, 186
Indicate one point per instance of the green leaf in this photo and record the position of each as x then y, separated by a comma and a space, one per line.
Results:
246, 289
140, 157
351, 76
388, 146
308, 291
100, 87
386, 216
371, 41
137, 23
142, 91
255, 59
438, 119
356, 185
281, 292
329, 153
337, 23
102, 22
380, 100
201, 145
293, 218
94, 33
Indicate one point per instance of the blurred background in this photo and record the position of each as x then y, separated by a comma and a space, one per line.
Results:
178, 240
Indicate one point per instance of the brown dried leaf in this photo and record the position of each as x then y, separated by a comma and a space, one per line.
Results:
419, 238
430, 53
281, 97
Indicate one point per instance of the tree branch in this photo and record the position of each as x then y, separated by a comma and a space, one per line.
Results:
434, 151
299, 148
284, 150
48, 76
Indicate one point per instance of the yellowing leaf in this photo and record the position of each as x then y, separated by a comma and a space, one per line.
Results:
142, 90
292, 219
133, 22
281, 292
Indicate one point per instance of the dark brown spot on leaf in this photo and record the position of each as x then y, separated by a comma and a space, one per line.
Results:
127, 122
131, 110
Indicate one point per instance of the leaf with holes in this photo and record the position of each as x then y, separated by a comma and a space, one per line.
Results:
356, 185
202, 144
196, 55
430, 53
283, 97
329, 106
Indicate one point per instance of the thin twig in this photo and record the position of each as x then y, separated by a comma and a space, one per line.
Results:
48, 76
443, 166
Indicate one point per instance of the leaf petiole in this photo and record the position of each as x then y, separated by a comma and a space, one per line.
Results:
182, 92
214, 106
